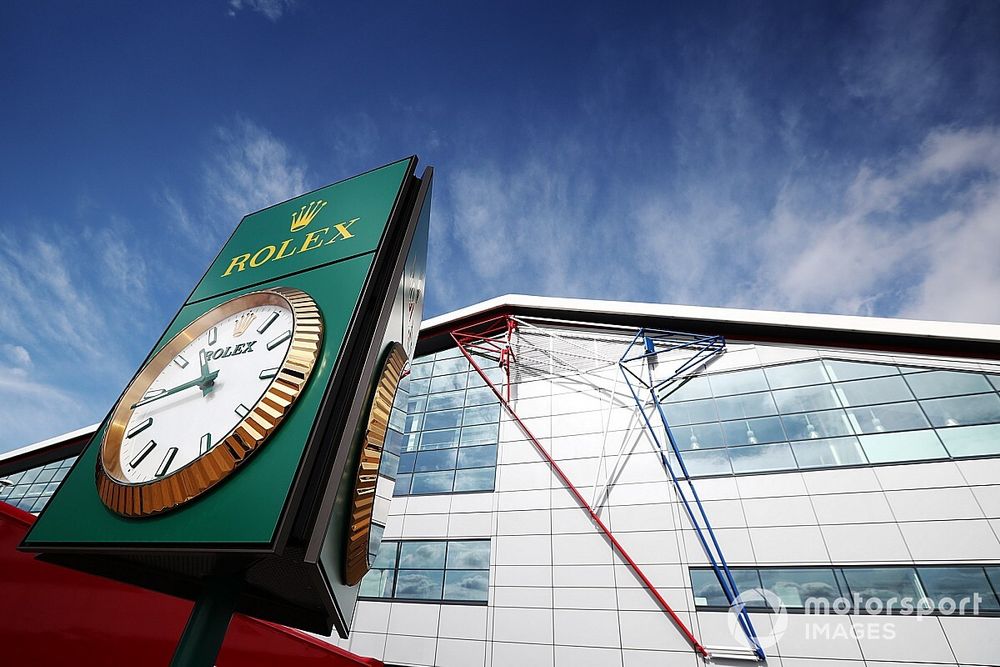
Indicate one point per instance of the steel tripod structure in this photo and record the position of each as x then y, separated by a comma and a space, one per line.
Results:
654, 345
493, 339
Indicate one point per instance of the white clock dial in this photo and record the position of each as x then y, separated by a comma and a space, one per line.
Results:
204, 392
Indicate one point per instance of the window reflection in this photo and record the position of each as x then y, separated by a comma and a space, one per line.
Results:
419, 570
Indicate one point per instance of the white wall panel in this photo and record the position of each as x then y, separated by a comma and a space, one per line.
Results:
934, 504
837, 508
951, 540
914, 639
460, 653
462, 622
587, 627
403, 650
860, 543
975, 641
522, 625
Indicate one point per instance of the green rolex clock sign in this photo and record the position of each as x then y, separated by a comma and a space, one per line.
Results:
255, 445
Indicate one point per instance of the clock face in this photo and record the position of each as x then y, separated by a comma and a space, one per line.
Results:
204, 392
207, 400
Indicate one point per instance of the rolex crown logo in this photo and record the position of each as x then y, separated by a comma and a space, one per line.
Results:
243, 323
305, 215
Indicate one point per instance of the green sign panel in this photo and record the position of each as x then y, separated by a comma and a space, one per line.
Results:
232, 444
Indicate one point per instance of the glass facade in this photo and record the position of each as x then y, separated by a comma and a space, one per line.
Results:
962, 589
832, 412
431, 571
452, 427
31, 489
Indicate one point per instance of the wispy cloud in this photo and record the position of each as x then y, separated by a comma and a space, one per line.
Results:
271, 9
249, 169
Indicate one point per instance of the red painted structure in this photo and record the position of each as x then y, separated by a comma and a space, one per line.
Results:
54, 616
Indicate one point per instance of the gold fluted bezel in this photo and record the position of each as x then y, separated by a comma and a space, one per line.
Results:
366, 478
197, 477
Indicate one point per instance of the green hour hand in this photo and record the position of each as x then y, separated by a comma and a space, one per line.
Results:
198, 382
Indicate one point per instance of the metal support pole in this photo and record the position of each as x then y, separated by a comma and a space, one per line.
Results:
206, 627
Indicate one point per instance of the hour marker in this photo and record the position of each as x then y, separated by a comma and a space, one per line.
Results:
213, 335
181, 361
242, 410
268, 373
206, 443
268, 322
143, 454
139, 428
167, 460
279, 340
153, 393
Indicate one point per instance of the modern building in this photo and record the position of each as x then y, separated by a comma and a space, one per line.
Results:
593, 483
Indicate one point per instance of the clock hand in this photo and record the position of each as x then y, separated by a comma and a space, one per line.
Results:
208, 384
198, 382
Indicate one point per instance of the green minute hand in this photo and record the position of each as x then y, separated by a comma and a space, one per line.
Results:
206, 379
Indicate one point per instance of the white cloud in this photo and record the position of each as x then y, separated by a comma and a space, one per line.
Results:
249, 170
915, 237
271, 9
16, 355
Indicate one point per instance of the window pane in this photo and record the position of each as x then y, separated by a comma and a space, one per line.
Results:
402, 486
439, 439
796, 375
869, 392
972, 440
416, 403
696, 387
883, 418
477, 457
947, 383
417, 555
419, 584
748, 585
707, 589
753, 431
446, 419
469, 555
386, 557
420, 371
441, 459
824, 453
418, 387
882, 583
691, 412
377, 584
432, 482
706, 462
482, 414
857, 370
797, 586
739, 382
702, 436
994, 575
451, 399
802, 399
995, 381
475, 479
453, 364
447, 383
745, 405
466, 585
761, 457
478, 435
480, 395
911, 446
962, 410
960, 584
812, 425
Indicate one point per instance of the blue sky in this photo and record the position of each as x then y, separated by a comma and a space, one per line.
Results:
823, 157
